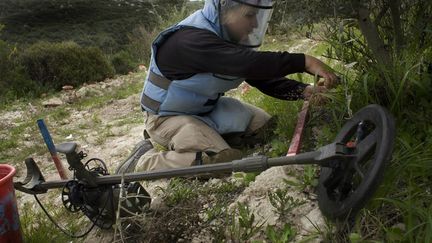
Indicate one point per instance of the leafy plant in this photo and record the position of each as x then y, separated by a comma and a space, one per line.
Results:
283, 202
280, 235
307, 179
242, 224
179, 190
215, 211
309, 176
246, 178
278, 148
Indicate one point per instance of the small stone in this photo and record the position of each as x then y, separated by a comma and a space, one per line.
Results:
245, 88
32, 108
67, 87
27, 136
82, 92
142, 67
53, 102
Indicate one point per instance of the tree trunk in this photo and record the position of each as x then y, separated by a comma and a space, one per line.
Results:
395, 15
373, 39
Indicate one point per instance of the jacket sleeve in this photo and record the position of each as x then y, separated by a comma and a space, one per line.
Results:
190, 50
280, 88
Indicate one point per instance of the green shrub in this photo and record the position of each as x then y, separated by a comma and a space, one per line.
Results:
123, 62
140, 40
141, 37
14, 82
56, 64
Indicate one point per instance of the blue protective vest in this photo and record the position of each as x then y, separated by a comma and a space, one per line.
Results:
199, 95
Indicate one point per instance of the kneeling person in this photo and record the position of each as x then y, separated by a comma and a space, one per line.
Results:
194, 63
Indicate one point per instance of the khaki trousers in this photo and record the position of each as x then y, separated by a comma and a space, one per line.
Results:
183, 136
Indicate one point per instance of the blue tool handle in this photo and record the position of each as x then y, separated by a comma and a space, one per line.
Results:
46, 136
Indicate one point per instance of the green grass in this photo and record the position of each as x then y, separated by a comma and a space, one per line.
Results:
286, 111
136, 118
404, 89
43, 230
60, 114
320, 49
7, 144
12, 149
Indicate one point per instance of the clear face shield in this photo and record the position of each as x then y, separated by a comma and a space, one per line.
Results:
245, 22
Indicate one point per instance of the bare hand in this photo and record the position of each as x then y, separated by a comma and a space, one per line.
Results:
315, 67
